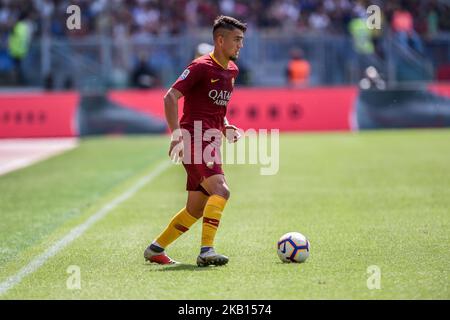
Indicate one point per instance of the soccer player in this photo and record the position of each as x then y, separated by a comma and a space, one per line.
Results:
206, 85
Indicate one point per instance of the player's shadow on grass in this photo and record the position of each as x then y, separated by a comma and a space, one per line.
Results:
180, 267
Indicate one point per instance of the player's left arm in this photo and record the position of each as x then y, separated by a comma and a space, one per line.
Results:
230, 131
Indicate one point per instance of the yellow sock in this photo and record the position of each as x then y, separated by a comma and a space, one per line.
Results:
179, 224
211, 218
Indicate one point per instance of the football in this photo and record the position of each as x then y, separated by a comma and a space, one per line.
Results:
293, 247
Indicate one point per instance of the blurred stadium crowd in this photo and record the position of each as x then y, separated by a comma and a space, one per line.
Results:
177, 16
412, 22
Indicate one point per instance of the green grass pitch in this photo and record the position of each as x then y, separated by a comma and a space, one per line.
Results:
374, 198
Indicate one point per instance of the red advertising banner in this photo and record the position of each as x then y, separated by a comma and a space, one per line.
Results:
308, 109
147, 101
442, 89
315, 109
29, 115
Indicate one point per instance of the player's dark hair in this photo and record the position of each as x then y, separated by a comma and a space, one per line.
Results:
228, 23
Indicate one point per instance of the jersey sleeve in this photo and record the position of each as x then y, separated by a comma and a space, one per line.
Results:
189, 78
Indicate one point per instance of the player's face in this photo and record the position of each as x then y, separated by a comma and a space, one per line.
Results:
233, 41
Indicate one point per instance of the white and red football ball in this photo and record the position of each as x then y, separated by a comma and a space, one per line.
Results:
293, 247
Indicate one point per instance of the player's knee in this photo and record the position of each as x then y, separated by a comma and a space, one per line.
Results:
223, 191
227, 193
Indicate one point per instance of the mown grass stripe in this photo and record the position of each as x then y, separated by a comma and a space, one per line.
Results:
76, 232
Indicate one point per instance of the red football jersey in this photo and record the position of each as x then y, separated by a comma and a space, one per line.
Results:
206, 87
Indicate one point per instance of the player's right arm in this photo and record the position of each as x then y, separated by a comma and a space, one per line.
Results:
171, 111
190, 76
171, 108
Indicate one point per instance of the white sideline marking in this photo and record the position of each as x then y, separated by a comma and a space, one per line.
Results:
37, 262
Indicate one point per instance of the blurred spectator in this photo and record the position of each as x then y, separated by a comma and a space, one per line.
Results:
403, 27
6, 63
18, 44
298, 70
432, 20
361, 35
143, 76
319, 20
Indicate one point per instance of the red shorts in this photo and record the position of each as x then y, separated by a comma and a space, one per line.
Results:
197, 172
